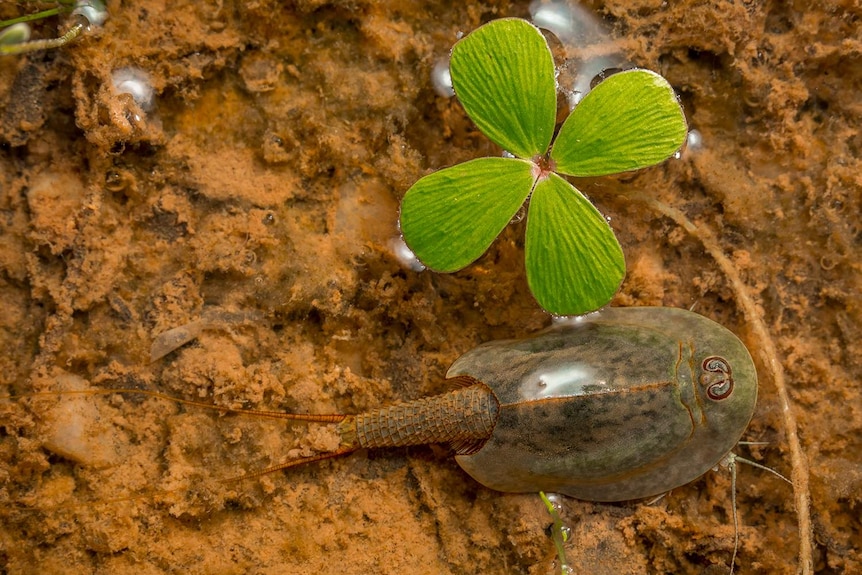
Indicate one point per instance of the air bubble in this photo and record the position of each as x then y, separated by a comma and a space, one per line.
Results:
571, 23
555, 500
136, 83
693, 145
114, 181
441, 79
405, 255
553, 16
573, 97
93, 11
519, 215
694, 141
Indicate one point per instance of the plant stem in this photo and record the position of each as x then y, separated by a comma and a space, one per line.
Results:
558, 533
31, 17
64, 6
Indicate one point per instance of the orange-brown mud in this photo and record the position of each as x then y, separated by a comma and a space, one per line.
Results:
259, 197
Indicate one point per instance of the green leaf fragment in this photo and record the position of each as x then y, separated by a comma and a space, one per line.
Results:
629, 121
574, 263
503, 74
449, 218
15, 34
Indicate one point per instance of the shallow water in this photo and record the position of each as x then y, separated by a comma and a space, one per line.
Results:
259, 194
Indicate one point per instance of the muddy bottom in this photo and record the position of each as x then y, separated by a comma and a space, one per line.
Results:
253, 204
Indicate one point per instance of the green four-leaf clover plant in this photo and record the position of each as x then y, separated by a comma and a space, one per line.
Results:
503, 75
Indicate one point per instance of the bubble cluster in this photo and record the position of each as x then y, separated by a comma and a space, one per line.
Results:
576, 28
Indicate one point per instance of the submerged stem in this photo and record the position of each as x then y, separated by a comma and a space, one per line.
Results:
34, 45
558, 532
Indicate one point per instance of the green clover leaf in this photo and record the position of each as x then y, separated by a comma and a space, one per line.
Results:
503, 75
